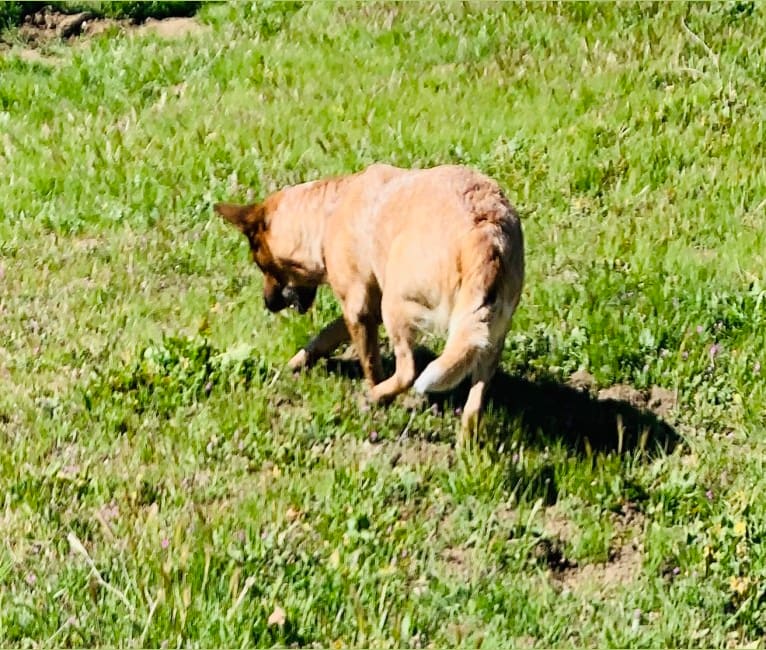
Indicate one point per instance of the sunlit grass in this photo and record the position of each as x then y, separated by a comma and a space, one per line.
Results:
145, 408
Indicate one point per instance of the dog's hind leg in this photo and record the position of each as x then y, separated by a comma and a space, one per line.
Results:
321, 345
397, 318
482, 374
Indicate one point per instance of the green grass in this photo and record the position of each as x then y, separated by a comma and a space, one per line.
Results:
145, 409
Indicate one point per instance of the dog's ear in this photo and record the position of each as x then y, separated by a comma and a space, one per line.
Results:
245, 217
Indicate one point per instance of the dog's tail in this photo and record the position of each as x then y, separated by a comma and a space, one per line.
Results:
492, 263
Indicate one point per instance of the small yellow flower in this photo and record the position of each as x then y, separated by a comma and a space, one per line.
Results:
740, 528
707, 552
739, 585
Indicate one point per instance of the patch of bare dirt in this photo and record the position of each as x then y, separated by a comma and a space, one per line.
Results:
406, 452
622, 568
420, 452
457, 563
657, 400
35, 56
172, 27
558, 525
47, 25
583, 381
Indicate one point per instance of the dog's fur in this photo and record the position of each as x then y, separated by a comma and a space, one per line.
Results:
437, 249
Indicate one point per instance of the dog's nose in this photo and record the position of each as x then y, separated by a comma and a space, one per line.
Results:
274, 301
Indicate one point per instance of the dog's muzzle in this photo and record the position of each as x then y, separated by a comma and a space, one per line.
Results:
299, 298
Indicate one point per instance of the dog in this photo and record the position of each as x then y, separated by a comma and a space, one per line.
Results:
438, 250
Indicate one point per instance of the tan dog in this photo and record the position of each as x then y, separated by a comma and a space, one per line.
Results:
437, 249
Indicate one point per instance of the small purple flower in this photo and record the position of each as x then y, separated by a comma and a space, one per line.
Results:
31, 578
700, 329
714, 350
165, 542
208, 387
373, 437
709, 495
458, 411
676, 571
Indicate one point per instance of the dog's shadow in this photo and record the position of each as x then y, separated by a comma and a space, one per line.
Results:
548, 411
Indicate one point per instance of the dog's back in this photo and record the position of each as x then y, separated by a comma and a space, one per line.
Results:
445, 245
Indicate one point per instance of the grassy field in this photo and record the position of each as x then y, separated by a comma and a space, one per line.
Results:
165, 480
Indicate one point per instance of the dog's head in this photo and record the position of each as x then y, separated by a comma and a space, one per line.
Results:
285, 284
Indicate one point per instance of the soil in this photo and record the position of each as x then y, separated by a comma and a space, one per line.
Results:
47, 26
622, 568
657, 400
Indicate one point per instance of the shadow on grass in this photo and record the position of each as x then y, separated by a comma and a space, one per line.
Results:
550, 411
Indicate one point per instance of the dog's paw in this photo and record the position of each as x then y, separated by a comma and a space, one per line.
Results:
375, 396
299, 361
381, 394
364, 403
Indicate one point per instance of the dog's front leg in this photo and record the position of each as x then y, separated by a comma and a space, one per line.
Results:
364, 336
321, 345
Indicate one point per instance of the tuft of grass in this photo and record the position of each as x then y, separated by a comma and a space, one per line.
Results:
136, 10
11, 14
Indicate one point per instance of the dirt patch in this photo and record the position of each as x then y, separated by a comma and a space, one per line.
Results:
420, 452
35, 56
457, 563
622, 569
47, 25
409, 452
583, 381
171, 27
557, 525
657, 400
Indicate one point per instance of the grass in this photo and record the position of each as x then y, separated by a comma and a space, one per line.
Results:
166, 481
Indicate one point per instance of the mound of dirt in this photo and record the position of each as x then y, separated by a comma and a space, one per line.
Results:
47, 25
657, 400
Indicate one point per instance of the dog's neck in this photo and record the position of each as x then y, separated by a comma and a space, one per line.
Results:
298, 215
